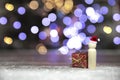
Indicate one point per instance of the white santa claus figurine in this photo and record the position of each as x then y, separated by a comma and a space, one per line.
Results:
92, 52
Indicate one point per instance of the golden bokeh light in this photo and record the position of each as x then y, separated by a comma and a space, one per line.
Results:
49, 5
9, 7
59, 3
68, 5
107, 29
41, 49
34, 5
8, 40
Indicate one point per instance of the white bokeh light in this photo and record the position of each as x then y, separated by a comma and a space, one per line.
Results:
34, 29
53, 33
46, 21
63, 50
74, 43
52, 17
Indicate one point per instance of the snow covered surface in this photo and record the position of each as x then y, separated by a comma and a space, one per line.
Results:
102, 72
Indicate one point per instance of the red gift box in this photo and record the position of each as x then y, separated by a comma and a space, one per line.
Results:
80, 59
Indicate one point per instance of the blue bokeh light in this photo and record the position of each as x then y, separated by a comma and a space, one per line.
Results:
89, 1
67, 20
104, 10
17, 25
112, 2
81, 6
22, 36
101, 19
96, 6
91, 28
21, 10
3, 20
116, 40
83, 18
53, 26
78, 12
42, 35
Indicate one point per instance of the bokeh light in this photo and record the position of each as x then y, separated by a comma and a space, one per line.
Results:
83, 18
34, 29
78, 25
46, 21
68, 5
34, 5
52, 17
41, 49
22, 36
91, 28
116, 40
82, 36
3, 20
112, 2
17, 25
42, 35
67, 20
54, 39
53, 33
118, 28
70, 31
8, 40
74, 43
63, 50
116, 17
53, 26
89, 1
59, 3
101, 19
78, 12
9, 6
21, 10
49, 4
107, 29
86, 41
104, 10
96, 6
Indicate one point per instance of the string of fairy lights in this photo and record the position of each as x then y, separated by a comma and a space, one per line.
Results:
75, 22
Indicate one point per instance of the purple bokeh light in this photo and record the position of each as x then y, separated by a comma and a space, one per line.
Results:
116, 17
104, 10
67, 20
78, 12
81, 6
116, 40
86, 41
91, 28
3, 20
21, 10
89, 1
101, 19
42, 35
96, 6
112, 2
17, 25
83, 18
52, 17
53, 26
22, 36
118, 28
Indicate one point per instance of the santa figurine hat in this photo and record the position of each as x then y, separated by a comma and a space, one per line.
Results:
94, 39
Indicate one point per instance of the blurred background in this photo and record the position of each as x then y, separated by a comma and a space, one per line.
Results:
59, 24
